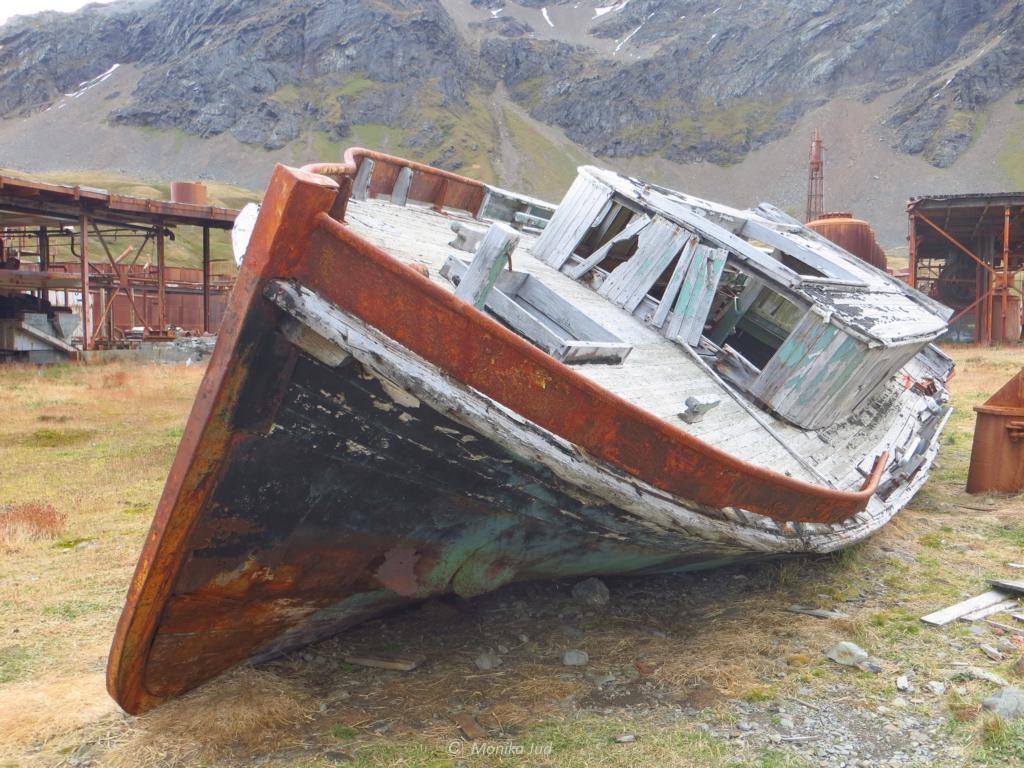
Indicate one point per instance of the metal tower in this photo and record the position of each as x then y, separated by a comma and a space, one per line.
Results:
816, 180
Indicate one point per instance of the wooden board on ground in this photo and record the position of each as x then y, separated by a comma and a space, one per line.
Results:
399, 663
1006, 585
948, 614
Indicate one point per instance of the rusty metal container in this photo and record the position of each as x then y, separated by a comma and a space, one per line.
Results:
853, 235
191, 192
997, 457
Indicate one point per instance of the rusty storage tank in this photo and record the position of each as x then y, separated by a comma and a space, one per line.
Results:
997, 457
854, 235
1008, 332
191, 192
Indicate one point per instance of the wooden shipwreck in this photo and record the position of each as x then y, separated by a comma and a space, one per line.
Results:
655, 383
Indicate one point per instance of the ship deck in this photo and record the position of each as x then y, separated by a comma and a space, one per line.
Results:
659, 374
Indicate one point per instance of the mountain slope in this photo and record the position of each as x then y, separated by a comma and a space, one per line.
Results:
500, 88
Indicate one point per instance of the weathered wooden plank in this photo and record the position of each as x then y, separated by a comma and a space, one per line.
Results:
491, 257
1007, 585
715, 266
584, 205
361, 186
675, 282
398, 663
685, 321
400, 194
312, 343
632, 230
981, 613
657, 246
948, 614
796, 246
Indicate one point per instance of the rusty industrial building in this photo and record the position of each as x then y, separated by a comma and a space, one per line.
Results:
63, 288
967, 251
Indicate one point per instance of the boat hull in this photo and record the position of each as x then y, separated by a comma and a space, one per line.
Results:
363, 439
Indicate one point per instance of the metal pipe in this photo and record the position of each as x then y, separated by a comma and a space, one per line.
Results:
83, 229
206, 279
161, 279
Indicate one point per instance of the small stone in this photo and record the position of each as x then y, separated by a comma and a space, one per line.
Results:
991, 652
502, 648
575, 658
786, 723
903, 683
745, 725
626, 738
487, 661
846, 653
334, 756
936, 687
592, 592
1017, 668
869, 666
1008, 703
978, 630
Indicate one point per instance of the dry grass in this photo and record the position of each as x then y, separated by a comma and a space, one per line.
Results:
28, 522
247, 712
93, 444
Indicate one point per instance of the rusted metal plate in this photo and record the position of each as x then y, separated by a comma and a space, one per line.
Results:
997, 456
304, 498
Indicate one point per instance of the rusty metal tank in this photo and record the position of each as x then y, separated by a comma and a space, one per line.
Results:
191, 192
997, 457
854, 235
1008, 331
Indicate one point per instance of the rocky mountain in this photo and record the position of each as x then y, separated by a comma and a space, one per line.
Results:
460, 83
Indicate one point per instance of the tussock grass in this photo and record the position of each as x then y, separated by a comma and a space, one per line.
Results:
29, 522
248, 712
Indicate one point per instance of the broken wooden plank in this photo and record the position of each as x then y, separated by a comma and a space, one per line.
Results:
686, 321
981, 613
398, 663
632, 230
491, 257
1007, 585
948, 614
470, 728
675, 282
657, 245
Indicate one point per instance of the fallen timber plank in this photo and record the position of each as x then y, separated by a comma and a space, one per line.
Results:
948, 614
398, 663
981, 613
1017, 587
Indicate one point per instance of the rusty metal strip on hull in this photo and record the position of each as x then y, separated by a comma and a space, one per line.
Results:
220, 580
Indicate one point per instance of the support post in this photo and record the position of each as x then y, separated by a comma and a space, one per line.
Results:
83, 233
161, 308
1006, 275
491, 256
400, 194
912, 277
361, 186
206, 279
